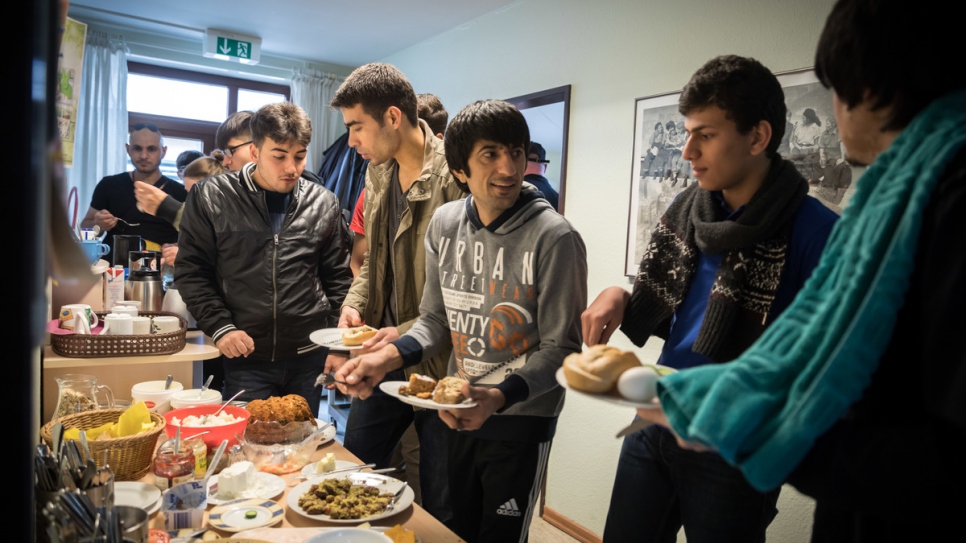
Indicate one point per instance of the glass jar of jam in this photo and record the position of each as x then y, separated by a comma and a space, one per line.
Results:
173, 468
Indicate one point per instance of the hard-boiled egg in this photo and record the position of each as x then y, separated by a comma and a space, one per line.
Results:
638, 384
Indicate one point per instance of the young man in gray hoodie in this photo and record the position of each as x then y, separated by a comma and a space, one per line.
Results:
506, 282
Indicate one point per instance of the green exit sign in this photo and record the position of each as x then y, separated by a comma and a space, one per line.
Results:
234, 48
231, 46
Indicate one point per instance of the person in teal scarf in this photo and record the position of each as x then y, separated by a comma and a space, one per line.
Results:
856, 394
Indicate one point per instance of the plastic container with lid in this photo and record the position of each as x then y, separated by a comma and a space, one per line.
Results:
188, 398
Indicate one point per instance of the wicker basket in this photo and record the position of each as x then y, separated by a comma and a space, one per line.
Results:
90, 346
129, 457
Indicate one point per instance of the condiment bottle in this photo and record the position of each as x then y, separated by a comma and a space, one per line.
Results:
173, 468
200, 450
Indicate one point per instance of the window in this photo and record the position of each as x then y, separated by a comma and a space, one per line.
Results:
189, 106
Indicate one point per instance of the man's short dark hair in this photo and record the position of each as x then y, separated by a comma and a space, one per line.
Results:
494, 120
283, 122
377, 86
898, 52
747, 92
234, 127
187, 157
431, 110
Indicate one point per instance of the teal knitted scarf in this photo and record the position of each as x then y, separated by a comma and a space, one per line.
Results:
764, 410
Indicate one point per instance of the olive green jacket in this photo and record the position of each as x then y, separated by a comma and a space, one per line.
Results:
435, 187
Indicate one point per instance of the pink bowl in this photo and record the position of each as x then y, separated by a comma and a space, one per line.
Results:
215, 433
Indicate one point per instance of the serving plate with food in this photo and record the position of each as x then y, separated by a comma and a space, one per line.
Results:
327, 464
343, 339
424, 391
397, 534
241, 480
614, 376
328, 498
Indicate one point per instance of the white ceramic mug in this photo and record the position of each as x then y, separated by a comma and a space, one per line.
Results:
141, 325
125, 310
163, 324
135, 303
118, 324
70, 312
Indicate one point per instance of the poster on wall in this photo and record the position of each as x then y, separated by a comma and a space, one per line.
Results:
659, 172
68, 84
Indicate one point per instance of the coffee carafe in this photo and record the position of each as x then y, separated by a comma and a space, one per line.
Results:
144, 280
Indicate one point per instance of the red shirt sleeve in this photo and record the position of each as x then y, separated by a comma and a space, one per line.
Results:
357, 225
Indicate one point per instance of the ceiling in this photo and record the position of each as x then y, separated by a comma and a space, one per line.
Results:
342, 32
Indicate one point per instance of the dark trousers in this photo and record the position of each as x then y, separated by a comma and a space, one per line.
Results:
376, 424
495, 485
659, 487
261, 379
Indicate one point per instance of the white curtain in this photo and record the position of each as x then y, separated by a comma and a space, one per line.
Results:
101, 116
312, 90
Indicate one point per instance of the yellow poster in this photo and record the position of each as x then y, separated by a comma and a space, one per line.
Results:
68, 84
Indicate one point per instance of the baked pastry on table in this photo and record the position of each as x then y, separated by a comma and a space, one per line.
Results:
279, 420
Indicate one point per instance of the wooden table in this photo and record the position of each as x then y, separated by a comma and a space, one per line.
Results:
413, 518
120, 373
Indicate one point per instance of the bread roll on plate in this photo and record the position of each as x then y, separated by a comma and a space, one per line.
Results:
358, 335
597, 369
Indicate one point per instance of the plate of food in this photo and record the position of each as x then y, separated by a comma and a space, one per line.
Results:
614, 376
140, 495
328, 434
328, 463
373, 491
241, 480
426, 392
238, 515
343, 339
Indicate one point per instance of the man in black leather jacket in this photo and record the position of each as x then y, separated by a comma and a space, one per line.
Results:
263, 262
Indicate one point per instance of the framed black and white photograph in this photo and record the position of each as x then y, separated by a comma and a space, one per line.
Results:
659, 172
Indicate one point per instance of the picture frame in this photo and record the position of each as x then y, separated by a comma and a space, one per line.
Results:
659, 172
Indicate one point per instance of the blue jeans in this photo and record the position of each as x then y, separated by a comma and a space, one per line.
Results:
261, 379
376, 425
659, 487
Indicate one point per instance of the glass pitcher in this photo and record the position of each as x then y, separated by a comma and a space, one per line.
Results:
77, 392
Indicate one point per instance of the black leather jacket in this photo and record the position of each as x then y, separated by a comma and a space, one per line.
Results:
234, 272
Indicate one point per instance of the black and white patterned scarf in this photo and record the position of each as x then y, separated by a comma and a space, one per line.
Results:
754, 248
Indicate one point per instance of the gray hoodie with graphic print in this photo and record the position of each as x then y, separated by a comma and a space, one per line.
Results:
508, 298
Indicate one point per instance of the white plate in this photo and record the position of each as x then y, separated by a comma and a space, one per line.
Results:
271, 486
301, 535
392, 388
331, 338
614, 398
140, 495
230, 516
309, 470
382, 482
328, 434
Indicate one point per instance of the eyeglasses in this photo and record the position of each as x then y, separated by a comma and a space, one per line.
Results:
142, 126
231, 150
537, 160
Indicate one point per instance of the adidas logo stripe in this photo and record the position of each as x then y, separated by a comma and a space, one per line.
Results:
509, 509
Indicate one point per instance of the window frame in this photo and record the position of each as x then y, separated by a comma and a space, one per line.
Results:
192, 128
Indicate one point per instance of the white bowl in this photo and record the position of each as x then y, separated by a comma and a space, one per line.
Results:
349, 535
187, 398
154, 395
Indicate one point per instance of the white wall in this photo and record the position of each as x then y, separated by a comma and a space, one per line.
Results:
611, 52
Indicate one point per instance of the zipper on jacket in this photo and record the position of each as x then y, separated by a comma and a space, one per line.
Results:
274, 296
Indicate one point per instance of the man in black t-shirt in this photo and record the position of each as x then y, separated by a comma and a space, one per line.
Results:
114, 206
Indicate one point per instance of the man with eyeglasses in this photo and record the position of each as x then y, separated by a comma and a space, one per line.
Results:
536, 167
114, 206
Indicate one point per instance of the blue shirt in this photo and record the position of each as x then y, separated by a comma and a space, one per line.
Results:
810, 230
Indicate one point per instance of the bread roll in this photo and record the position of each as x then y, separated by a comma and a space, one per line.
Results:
597, 369
358, 335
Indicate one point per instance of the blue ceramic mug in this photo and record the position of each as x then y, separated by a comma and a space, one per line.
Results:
94, 249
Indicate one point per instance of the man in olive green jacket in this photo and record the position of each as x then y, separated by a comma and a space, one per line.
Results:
406, 180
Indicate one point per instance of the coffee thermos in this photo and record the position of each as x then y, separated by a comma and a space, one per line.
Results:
144, 280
